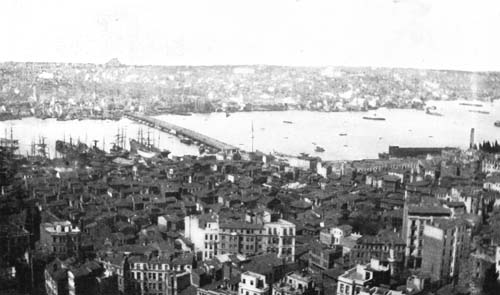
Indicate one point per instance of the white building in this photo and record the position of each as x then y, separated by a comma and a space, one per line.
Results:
492, 183
253, 284
445, 242
281, 238
211, 238
356, 279
294, 284
335, 235
203, 231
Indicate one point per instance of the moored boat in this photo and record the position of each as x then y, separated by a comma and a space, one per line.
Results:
429, 112
479, 112
319, 149
375, 118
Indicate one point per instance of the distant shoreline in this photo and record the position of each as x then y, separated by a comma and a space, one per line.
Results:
117, 117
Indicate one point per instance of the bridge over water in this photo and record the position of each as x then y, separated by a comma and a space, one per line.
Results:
181, 131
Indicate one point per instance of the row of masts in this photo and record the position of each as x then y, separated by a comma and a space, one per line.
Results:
9, 143
120, 138
148, 140
38, 149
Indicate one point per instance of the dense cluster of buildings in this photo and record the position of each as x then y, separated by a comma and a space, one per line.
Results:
75, 91
251, 224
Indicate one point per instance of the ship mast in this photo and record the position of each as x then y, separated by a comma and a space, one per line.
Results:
123, 138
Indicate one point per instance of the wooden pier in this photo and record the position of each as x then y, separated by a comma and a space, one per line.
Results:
182, 132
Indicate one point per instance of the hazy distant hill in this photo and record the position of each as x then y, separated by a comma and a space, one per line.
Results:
324, 88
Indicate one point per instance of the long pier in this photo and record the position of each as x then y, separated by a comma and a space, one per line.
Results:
181, 131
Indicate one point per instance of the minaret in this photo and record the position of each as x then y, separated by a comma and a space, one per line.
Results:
471, 144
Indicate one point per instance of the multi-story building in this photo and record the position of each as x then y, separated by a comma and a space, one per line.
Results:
69, 277
60, 238
203, 231
56, 278
280, 239
492, 182
117, 266
87, 279
252, 283
241, 237
156, 276
323, 257
353, 280
414, 219
335, 235
387, 246
445, 242
236, 237
295, 284
490, 165
361, 276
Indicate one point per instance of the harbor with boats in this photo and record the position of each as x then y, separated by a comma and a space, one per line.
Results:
342, 135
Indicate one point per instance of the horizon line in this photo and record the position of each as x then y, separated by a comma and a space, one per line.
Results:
255, 65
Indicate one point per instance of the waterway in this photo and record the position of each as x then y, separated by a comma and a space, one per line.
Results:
343, 135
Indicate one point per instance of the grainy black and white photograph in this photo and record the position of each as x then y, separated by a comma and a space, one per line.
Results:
251, 147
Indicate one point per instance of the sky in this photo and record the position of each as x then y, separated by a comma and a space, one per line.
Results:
437, 34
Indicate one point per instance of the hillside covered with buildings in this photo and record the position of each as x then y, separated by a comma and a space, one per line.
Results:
69, 91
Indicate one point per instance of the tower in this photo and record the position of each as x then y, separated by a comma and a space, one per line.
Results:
471, 144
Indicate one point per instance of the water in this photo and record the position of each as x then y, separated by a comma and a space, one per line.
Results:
364, 139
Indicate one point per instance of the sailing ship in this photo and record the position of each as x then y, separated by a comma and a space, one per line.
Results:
9, 145
118, 148
144, 147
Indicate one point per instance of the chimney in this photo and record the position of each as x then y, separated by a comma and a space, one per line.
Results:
471, 144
